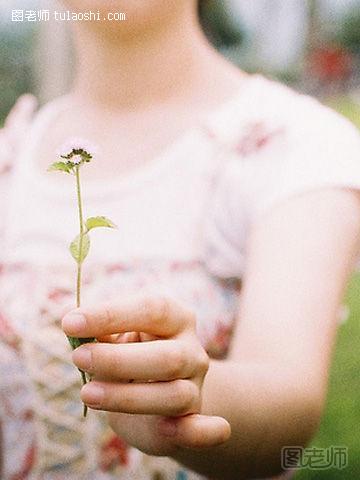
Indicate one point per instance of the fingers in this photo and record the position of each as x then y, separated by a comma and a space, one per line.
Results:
160, 360
195, 431
120, 338
155, 316
127, 337
177, 397
115, 338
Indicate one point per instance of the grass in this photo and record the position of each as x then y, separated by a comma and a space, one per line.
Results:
347, 107
340, 425
341, 421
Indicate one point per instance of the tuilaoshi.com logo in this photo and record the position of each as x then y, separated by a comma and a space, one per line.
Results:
65, 16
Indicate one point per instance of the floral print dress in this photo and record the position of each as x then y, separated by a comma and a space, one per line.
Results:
183, 223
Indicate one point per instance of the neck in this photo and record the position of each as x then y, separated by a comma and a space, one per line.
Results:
136, 70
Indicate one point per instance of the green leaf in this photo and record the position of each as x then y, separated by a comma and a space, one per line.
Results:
76, 342
95, 222
60, 166
75, 248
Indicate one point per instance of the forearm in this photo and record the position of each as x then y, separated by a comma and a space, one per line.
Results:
267, 407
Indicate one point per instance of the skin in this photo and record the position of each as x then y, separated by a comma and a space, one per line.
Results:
130, 92
275, 390
227, 419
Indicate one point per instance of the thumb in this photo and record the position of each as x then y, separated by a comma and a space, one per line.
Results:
195, 431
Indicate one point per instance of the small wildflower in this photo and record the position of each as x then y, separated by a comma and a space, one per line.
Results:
77, 159
84, 155
77, 144
75, 151
76, 154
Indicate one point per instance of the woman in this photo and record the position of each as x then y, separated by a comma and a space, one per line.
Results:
217, 180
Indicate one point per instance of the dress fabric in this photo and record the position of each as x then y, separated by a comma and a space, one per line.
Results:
183, 220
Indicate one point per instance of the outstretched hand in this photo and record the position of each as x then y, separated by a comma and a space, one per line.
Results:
148, 366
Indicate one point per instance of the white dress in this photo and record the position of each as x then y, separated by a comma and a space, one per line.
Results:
183, 221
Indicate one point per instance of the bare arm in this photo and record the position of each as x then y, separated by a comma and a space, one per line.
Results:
270, 390
272, 387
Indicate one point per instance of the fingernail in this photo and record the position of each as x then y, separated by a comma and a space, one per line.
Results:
93, 395
82, 358
168, 427
74, 323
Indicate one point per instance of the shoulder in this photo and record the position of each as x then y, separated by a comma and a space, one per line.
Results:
41, 129
304, 115
49, 109
268, 113
279, 143
276, 131
24, 124
21, 124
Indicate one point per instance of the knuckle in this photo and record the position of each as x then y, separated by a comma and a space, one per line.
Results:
101, 319
126, 405
184, 397
105, 362
123, 401
93, 362
96, 364
163, 308
203, 362
96, 318
146, 304
155, 309
147, 308
108, 314
175, 361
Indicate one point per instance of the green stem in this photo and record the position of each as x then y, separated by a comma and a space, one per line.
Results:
81, 220
79, 263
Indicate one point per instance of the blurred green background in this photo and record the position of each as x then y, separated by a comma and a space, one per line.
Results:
312, 45
340, 425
